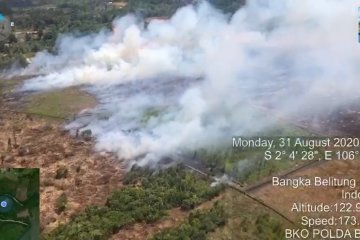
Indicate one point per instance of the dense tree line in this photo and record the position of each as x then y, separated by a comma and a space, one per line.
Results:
81, 17
263, 225
155, 8
166, 8
227, 6
146, 197
78, 17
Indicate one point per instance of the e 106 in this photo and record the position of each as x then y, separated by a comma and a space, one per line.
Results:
346, 155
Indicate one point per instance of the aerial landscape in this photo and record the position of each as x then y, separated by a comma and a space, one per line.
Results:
179, 119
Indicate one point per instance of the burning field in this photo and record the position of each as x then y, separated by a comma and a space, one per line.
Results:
191, 81
177, 90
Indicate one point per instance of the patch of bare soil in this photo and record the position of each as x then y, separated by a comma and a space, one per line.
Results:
174, 218
67, 165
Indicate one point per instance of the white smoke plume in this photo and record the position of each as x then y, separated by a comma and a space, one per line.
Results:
192, 81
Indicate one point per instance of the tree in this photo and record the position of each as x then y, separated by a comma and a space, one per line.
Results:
49, 36
61, 203
40, 33
2, 47
27, 37
12, 38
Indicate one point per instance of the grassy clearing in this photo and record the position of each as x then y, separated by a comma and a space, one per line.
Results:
8, 85
248, 220
59, 103
197, 226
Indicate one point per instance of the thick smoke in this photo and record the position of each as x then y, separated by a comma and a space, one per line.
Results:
193, 81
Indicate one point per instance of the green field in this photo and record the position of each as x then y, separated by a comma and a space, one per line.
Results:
248, 220
59, 103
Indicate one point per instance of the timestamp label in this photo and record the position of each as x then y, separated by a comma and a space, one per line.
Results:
301, 148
